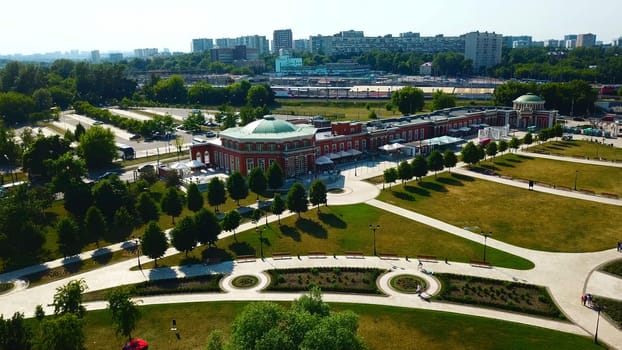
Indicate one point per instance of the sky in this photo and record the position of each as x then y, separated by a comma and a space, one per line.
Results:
40, 26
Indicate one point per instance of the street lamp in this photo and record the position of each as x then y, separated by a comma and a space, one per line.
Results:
374, 228
597, 309
576, 173
138, 253
10, 171
260, 233
486, 235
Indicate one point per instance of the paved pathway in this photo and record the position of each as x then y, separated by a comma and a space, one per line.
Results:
566, 275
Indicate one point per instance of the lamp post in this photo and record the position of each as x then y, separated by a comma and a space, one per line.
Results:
597, 309
576, 173
260, 233
374, 229
486, 235
138, 253
8, 161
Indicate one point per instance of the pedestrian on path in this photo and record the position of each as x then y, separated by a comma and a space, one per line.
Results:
583, 299
420, 266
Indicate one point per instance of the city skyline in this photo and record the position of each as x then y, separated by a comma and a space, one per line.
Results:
36, 26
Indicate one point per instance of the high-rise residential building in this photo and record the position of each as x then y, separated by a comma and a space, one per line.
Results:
586, 40
508, 41
95, 56
282, 39
617, 42
301, 45
257, 42
483, 48
552, 43
145, 53
570, 37
202, 44
115, 57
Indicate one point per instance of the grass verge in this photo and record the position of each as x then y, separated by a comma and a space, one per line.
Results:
196, 284
611, 308
337, 229
515, 215
337, 279
382, 327
408, 283
614, 267
505, 295
579, 148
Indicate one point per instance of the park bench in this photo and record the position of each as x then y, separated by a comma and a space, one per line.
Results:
281, 255
246, 258
388, 256
354, 255
479, 263
609, 195
428, 258
316, 255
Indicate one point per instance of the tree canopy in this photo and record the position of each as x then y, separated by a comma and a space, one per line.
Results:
408, 100
154, 242
97, 147
237, 187
297, 199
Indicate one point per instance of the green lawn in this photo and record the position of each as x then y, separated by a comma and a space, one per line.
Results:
595, 178
338, 229
382, 327
518, 216
579, 148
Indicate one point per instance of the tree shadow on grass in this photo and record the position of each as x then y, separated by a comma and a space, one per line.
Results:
449, 181
417, 190
434, 186
73, 264
312, 228
191, 260
291, 232
216, 253
513, 160
332, 220
242, 248
462, 177
403, 196
521, 156
505, 164
102, 256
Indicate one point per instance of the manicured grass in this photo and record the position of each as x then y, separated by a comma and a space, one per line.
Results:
611, 308
382, 327
518, 216
579, 148
614, 267
5, 286
408, 283
338, 229
245, 281
595, 178
349, 280
196, 284
513, 296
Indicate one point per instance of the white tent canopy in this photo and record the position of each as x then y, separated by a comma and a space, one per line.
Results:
391, 147
179, 166
323, 160
195, 163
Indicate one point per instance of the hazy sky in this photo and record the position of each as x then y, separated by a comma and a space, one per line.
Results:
38, 26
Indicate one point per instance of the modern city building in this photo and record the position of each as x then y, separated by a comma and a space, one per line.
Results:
508, 41
145, 53
115, 57
282, 39
257, 42
483, 48
286, 61
95, 56
202, 45
311, 144
586, 40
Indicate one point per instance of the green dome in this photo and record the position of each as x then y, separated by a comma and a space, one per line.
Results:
529, 98
269, 125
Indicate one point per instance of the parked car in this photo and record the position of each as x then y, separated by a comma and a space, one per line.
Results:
135, 137
210, 133
98, 122
147, 168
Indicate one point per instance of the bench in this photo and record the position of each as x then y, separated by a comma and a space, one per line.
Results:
428, 258
480, 263
316, 255
388, 256
281, 255
246, 258
609, 195
354, 255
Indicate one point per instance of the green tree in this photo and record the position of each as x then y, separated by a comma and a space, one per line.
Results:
257, 181
194, 197
64, 332
66, 171
514, 143
216, 194
109, 195
528, 139
317, 193
408, 100
470, 154
435, 162
14, 334
231, 221
171, 203
441, 100
404, 171
79, 131
297, 199
123, 222
491, 149
95, 224
372, 114
503, 146
78, 199
236, 186
278, 206
339, 331
97, 147
419, 167
172, 90
390, 175
125, 314
275, 176
259, 95
256, 216
154, 242
69, 242
449, 159
147, 208
194, 121
43, 150
208, 227
184, 235
68, 298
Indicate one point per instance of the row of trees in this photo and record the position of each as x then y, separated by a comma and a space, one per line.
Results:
420, 166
